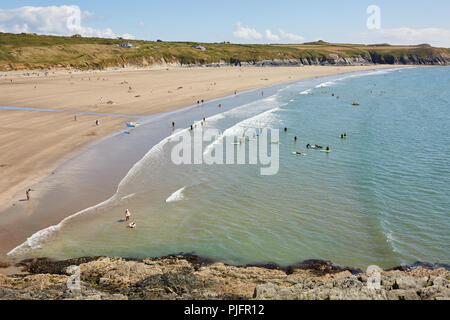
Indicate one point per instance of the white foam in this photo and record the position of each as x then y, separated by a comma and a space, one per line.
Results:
325, 84
261, 120
36, 240
306, 91
176, 196
128, 196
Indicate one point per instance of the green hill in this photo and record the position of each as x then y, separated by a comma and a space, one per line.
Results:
29, 51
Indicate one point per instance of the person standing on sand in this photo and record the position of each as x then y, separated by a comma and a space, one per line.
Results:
28, 194
127, 215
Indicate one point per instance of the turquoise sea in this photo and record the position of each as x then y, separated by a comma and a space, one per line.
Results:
381, 197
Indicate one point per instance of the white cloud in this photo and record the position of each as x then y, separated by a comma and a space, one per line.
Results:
128, 36
405, 36
246, 32
290, 36
251, 34
52, 20
272, 37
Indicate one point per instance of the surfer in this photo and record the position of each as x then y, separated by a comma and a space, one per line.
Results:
295, 139
127, 215
328, 148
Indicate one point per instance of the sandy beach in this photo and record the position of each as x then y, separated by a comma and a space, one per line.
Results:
34, 143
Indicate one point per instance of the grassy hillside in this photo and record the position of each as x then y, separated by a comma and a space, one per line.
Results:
27, 51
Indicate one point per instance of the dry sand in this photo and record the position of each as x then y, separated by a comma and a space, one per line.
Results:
33, 143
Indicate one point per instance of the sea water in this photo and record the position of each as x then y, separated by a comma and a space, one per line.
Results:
381, 197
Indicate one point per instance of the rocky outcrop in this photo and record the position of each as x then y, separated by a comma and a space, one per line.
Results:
189, 277
333, 59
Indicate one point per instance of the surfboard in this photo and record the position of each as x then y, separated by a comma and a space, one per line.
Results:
326, 151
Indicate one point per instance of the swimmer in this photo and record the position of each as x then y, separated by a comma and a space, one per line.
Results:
28, 194
127, 215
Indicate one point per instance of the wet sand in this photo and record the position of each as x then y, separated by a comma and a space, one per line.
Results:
33, 143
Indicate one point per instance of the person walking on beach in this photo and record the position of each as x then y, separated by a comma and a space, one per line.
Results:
28, 194
127, 215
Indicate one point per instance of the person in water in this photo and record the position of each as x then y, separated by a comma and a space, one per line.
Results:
173, 125
132, 225
127, 215
308, 146
285, 129
328, 148
295, 138
342, 136
345, 135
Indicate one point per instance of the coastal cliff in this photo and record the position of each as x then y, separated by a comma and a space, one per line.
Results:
40, 52
193, 278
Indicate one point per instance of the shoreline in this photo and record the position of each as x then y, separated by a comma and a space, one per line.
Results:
110, 134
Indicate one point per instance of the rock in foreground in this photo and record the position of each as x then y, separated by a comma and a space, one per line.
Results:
185, 278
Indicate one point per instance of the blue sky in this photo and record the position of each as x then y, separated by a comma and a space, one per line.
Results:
244, 21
